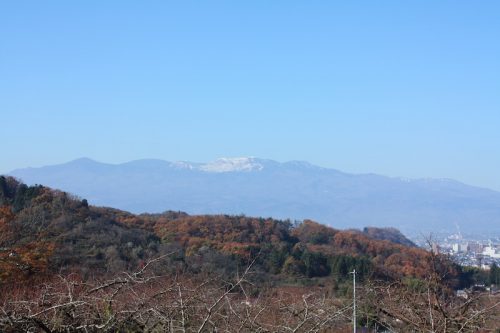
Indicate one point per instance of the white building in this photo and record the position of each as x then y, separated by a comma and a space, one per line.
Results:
491, 251
459, 247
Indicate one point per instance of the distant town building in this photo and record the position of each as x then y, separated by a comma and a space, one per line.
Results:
459, 247
491, 251
476, 247
481, 251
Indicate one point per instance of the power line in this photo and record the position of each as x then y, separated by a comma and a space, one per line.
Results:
353, 300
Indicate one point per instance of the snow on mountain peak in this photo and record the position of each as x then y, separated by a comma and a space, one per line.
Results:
227, 164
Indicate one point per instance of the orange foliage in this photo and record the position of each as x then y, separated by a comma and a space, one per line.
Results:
230, 234
22, 262
6, 216
310, 231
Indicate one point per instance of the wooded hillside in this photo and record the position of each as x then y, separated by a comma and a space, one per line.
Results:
247, 274
44, 231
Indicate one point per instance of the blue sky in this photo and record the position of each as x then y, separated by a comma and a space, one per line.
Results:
408, 89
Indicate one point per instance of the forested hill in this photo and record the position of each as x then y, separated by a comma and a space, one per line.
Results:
390, 234
44, 231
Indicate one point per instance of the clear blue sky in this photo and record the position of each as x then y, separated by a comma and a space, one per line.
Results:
400, 88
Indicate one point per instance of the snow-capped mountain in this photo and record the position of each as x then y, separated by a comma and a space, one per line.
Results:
260, 187
232, 165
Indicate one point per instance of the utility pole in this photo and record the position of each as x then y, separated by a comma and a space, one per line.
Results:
354, 300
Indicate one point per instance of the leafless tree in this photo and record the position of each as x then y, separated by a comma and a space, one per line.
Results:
142, 301
428, 304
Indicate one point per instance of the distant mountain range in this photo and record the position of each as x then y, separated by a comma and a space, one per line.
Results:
259, 187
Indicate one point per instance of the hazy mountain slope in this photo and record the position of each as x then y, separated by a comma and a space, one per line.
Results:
258, 187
